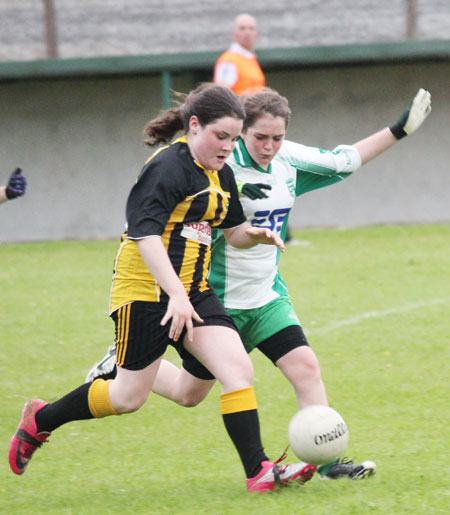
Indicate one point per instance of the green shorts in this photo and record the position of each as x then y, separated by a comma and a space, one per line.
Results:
258, 324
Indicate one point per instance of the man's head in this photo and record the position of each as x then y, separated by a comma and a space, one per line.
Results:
245, 31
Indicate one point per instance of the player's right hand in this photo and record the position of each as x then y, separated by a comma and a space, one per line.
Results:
181, 311
265, 236
17, 185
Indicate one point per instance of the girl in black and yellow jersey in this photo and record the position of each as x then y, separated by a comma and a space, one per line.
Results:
160, 293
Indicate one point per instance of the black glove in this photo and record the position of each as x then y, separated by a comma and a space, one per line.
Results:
17, 185
414, 116
253, 191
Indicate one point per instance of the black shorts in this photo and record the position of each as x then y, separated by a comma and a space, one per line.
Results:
141, 339
283, 342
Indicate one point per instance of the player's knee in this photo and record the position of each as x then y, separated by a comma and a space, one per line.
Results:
189, 402
301, 367
236, 374
129, 403
310, 367
191, 398
238, 381
248, 377
243, 374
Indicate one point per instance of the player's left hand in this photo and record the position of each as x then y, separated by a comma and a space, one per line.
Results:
265, 236
414, 116
254, 191
17, 185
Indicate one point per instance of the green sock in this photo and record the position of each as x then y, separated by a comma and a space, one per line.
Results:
323, 469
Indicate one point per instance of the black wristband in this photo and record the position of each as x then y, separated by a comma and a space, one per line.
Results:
10, 194
397, 131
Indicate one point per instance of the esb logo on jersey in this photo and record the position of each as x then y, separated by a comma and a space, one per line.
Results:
200, 232
272, 220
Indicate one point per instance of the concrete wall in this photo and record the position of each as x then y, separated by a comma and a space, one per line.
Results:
93, 28
410, 183
79, 143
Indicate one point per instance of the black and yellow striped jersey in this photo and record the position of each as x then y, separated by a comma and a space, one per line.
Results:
179, 200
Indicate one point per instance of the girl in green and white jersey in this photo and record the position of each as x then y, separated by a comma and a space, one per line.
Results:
248, 281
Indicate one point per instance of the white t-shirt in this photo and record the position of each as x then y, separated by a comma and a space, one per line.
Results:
249, 278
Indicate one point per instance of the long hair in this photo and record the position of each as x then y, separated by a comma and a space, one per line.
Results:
268, 101
208, 103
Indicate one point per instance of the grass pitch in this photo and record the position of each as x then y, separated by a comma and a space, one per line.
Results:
375, 305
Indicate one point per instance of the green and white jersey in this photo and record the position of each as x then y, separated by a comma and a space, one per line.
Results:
249, 278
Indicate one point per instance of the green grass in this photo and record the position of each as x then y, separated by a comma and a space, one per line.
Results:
375, 305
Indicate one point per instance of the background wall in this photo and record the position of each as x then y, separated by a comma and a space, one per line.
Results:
410, 183
79, 142
92, 28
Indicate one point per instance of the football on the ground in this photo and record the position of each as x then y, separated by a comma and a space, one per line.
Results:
318, 435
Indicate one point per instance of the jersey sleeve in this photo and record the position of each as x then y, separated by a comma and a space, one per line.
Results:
152, 199
317, 168
226, 73
235, 214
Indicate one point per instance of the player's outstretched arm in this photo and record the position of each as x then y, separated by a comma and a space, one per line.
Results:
410, 120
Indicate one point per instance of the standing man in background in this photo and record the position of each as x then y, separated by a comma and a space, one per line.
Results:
238, 68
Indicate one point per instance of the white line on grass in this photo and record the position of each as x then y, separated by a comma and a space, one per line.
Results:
376, 314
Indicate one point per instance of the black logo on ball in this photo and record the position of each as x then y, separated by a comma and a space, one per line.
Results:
334, 434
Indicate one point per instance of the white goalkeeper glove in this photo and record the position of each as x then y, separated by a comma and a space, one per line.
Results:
414, 116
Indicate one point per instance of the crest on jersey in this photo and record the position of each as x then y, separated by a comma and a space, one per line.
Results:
291, 187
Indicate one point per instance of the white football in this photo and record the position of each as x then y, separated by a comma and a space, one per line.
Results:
318, 435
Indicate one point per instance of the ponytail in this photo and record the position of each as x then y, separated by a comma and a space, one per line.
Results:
208, 103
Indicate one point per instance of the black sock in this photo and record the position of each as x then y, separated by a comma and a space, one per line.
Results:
73, 406
247, 441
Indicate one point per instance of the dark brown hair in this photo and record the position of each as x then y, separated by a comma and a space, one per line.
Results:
268, 101
208, 103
